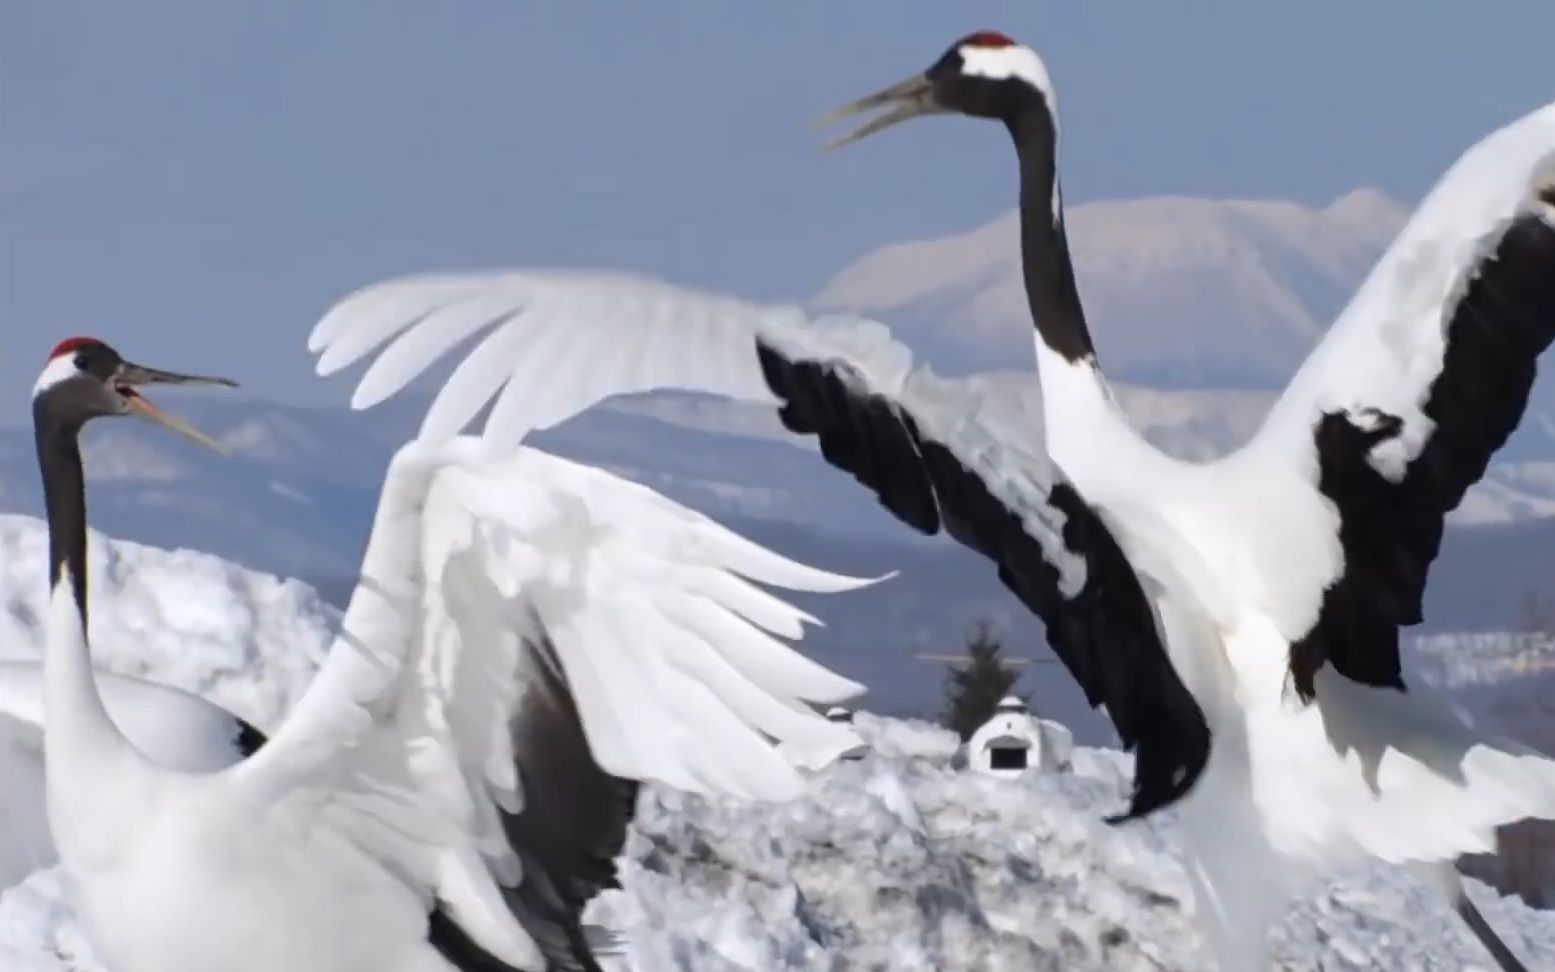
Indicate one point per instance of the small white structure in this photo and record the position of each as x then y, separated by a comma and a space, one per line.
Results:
808, 762
1014, 742
838, 714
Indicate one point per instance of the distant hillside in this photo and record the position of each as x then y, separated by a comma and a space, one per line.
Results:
1201, 309
1180, 291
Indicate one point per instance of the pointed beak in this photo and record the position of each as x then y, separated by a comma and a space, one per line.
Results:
130, 378
905, 99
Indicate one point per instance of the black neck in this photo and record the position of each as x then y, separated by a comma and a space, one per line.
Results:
64, 499
1050, 286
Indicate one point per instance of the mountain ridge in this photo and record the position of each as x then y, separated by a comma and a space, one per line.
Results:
1244, 286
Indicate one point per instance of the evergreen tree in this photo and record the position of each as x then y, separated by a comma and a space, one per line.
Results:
1535, 613
973, 689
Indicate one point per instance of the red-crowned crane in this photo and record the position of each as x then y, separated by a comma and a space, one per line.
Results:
528, 638
1238, 618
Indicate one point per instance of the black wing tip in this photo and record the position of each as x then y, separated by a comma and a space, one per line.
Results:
1161, 780
772, 365
861, 432
1151, 799
1304, 659
1301, 674
248, 740
1113, 646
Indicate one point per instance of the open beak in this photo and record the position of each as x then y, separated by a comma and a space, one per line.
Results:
130, 378
905, 99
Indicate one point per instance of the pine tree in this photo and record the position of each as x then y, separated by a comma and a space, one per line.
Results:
1535, 613
973, 689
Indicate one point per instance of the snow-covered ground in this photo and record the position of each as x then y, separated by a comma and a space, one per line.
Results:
895, 862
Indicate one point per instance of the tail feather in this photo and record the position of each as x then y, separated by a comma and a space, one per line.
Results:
1416, 783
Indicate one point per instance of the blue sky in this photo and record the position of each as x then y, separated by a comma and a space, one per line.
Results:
197, 181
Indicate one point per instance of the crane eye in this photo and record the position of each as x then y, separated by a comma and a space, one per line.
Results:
81, 362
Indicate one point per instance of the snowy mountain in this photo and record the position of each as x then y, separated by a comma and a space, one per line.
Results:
899, 861
1180, 291
1217, 299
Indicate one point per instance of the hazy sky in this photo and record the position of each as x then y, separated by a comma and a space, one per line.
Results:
196, 180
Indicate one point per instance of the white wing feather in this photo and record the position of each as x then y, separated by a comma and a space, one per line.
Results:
1386, 347
626, 583
583, 337
667, 645
558, 342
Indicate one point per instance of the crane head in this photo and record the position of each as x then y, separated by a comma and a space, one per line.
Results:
86, 379
983, 75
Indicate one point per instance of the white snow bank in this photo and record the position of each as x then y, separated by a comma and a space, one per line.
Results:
37, 932
901, 862
247, 640
898, 861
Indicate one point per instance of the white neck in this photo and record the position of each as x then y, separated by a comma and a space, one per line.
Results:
1082, 422
84, 752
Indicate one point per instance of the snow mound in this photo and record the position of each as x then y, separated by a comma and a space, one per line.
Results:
902, 862
247, 640
899, 861
37, 931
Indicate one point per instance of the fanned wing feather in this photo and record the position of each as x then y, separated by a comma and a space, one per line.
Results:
598, 557
936, 452
483, 561
624, 334
1423, 377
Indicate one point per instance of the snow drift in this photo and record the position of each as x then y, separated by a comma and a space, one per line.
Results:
899, 861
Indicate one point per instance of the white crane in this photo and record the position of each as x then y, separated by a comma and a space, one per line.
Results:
527, 638
1251, 602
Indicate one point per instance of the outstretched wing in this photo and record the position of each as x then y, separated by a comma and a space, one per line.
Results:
1424, 376
936, 452
513, 606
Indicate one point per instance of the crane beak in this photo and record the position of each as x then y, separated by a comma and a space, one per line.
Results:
130, 377
905, 99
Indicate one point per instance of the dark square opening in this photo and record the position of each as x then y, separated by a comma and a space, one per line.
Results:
1007, 757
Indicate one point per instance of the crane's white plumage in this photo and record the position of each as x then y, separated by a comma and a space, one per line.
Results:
667, 649
661, 636
1386, 354
1386, 347
180, 730
528, 636
1298, 555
